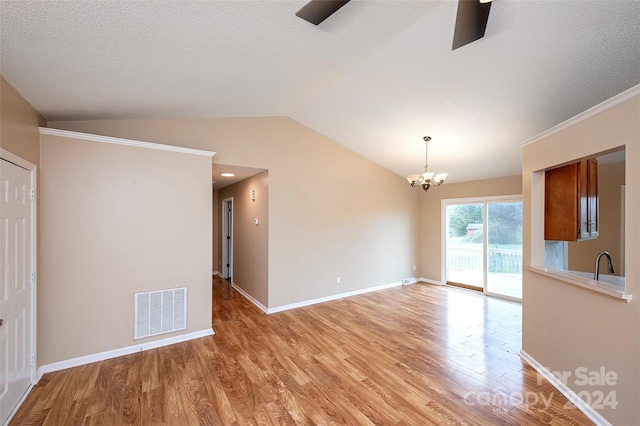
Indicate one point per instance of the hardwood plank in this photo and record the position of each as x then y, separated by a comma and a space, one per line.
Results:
418, 354
228, 304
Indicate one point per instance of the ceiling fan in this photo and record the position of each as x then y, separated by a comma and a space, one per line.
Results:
471, 19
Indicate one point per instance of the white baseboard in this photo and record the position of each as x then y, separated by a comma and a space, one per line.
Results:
333, 297
15, 409
312, 301
428, 281
322, 299
250, 298
565, 390
101, 356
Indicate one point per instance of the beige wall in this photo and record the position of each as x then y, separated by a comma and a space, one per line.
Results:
19, 124
331, 212
582, 254
250, 241
117, 220
431, 214
564, 326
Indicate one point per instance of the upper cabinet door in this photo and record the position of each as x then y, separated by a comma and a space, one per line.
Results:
571, 202
593, 199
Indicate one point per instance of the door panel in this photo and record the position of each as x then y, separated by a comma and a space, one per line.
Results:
15, 287
504, 249
465, 249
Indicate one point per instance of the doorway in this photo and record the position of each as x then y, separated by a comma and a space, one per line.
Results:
227, 239
17, 283
483, 245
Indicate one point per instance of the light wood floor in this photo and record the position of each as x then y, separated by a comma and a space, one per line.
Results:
414, 355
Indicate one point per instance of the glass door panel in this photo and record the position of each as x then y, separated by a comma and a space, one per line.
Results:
465, 249
504, 249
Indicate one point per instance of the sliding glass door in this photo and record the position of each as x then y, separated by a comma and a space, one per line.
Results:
504, 248
465, 247
483, 245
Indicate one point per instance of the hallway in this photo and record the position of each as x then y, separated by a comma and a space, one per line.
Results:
229, 304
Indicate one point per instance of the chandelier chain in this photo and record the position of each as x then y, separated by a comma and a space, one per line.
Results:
426, 155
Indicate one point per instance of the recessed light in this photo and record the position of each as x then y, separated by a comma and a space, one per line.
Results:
226, 174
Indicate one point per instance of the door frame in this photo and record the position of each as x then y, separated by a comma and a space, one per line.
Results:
444, 230
227, 231
623, 198
21, 162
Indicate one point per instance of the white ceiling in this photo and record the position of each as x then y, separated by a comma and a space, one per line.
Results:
376, 77
240, 173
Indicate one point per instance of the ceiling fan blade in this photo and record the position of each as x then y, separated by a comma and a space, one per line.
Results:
317, 11
471, 21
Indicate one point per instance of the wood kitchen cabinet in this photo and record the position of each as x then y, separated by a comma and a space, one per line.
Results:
571, 202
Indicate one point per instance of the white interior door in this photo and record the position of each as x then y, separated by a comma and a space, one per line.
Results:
16, 267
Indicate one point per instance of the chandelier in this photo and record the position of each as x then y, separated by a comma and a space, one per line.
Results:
427, 178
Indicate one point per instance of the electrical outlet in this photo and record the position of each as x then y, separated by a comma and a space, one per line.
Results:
337, 280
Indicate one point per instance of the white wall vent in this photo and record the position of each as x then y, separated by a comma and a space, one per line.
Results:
158, 312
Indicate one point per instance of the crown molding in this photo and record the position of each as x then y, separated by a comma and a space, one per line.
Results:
126, 142
603, 106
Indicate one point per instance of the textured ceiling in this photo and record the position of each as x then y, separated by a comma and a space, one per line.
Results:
376, 77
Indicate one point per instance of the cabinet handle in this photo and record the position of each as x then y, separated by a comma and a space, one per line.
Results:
1, 322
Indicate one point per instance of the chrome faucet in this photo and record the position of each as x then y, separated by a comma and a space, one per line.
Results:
596, 274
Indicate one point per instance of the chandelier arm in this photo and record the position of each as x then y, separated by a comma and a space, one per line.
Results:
427, 179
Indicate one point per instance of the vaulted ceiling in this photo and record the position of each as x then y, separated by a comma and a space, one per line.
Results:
375, 77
